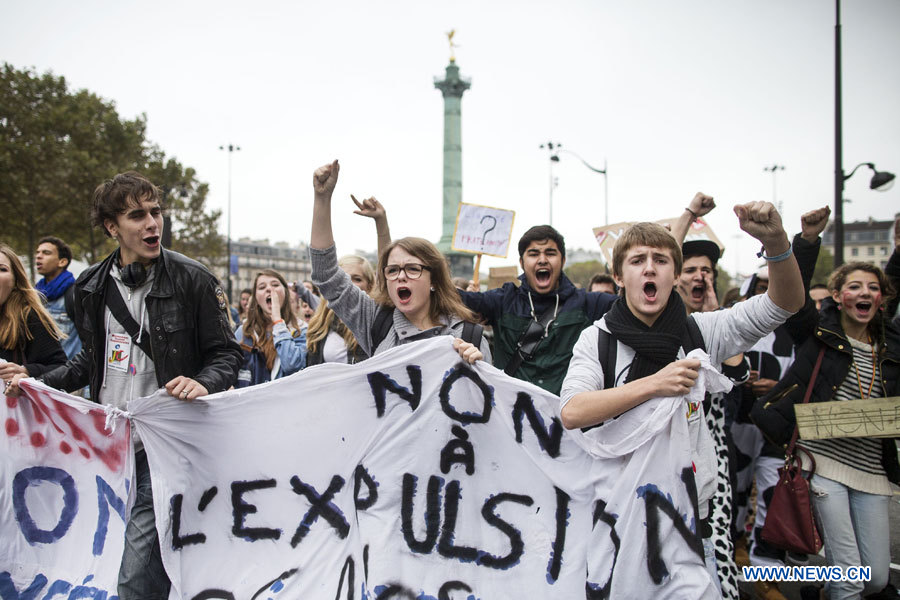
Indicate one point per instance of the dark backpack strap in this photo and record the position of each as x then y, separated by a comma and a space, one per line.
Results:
382, 325
120, 312
606, 355
69, 299
692, 338
472, 333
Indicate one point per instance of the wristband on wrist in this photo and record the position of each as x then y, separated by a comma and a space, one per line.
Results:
783, 256
694, 216
274, 323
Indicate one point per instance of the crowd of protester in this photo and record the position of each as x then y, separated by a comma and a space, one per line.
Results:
603, 350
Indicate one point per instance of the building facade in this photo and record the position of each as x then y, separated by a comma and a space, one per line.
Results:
254, 255
866, 241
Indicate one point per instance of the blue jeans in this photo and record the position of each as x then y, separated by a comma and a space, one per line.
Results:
142, 575
853, 526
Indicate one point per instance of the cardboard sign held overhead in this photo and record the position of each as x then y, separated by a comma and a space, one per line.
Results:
483, 230
608, 234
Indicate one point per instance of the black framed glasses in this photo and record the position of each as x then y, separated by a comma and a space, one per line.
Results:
412, 270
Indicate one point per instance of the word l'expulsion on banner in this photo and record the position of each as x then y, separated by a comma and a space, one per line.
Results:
608, 234
483, 229
64, 483
410, 475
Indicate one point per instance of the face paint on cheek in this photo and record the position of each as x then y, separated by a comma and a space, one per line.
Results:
846, 296
876, 299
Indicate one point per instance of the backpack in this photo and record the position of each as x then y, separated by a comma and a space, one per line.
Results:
384, 320
691, 339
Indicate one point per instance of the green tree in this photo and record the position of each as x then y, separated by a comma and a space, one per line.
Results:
57, 145
824, 266
580, 273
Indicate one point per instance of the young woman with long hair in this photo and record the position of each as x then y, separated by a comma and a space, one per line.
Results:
273, 347
29, 338
328, 339
412, 283
851, 489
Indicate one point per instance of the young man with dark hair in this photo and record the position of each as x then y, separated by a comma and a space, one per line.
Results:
817, 293
52, 258
602, 282
537, 323
148, 318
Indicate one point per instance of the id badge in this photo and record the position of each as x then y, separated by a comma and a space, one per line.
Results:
118, 347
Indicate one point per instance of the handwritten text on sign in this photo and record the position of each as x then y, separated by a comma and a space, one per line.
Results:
409, 475
483, 229
876, 417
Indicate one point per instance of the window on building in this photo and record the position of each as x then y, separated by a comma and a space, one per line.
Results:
854, 251
871, 251
884, 250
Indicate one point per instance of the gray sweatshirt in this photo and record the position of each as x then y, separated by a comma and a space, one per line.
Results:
358, 311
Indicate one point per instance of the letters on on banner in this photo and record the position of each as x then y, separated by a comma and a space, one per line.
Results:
413, 475
63, 496
483, 229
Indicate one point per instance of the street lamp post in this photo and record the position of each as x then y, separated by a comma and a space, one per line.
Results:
554, 158
881, 180
231, 148
555, 149
772, 170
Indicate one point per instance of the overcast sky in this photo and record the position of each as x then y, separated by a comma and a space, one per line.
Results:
678, 97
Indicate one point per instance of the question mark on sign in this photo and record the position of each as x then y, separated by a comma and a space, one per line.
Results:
490, 229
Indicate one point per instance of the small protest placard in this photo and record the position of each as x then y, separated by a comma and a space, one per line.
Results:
608, 234
483, 230
875, 417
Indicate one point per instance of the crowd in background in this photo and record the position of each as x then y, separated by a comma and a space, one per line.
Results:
147, 317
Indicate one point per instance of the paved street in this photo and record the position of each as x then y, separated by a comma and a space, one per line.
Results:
792, 590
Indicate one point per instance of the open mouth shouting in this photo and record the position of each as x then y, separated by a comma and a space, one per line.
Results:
864, 309
649, 291
543, 276
698, 291
152, 241
404, 294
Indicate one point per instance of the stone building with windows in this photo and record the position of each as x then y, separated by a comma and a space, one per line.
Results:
867, 241
254, 255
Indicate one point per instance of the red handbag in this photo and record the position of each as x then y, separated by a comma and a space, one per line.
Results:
789, 521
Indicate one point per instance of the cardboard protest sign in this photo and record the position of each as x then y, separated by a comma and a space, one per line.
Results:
607, 235
483, 230
64, 480
869, 417
413, 475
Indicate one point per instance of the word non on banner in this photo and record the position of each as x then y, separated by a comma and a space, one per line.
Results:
483, 229
872, 417
414, 475
64, 481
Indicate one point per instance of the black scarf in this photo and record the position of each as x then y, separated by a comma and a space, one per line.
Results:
655, 346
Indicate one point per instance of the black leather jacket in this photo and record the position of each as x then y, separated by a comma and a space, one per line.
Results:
189, 332
774, 413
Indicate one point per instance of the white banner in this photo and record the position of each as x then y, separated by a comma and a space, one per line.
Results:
64, 480
412, 475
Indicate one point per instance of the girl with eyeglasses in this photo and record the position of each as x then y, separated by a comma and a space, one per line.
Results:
412, 283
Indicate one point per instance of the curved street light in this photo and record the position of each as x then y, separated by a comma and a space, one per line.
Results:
881, 180
555, 149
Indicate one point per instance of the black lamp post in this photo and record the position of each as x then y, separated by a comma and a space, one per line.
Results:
881, 180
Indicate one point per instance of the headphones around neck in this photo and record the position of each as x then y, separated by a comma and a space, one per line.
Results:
134, 275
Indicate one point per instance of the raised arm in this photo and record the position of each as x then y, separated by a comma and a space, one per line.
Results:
372, 208
698, 207
762, 221
324, 180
